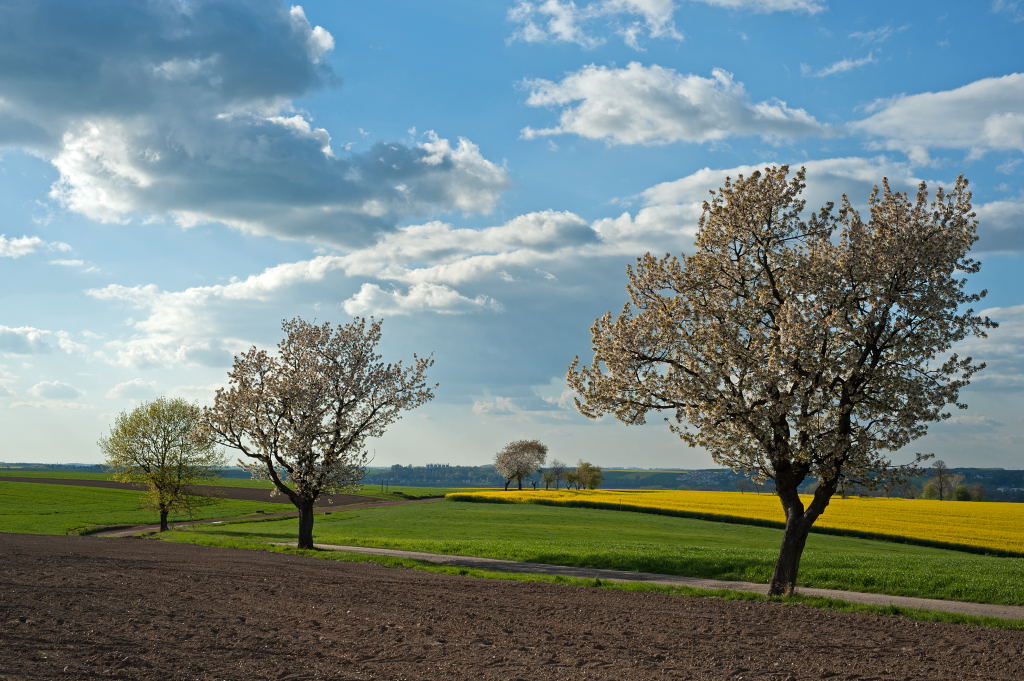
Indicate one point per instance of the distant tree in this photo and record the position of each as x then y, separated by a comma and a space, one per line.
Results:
557, 468
942, 484
160, 444
548, 478
977, 491
302, 415
572, 479
792, 345
961, 493
743, 485
588, 475
520, 459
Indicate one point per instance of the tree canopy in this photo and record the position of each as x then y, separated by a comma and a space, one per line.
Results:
302, 416
520, 459
791, 345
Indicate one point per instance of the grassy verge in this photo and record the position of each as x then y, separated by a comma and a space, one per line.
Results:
206, 539
39, 508
653, 543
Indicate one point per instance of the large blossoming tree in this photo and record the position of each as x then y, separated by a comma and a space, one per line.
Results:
302, 417
793, 346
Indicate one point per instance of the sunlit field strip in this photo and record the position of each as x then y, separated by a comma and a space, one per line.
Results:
980, 525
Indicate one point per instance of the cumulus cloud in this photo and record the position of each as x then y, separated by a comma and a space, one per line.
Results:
494, 406
565, 21
136, 389
54, 390
668, 216
183, 111
986, 115
1001, 226
17, 247
28, 340
1003, 350
657, 105
372, 299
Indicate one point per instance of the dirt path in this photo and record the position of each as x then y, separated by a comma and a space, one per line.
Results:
322, 510
78, 608
982, 609
243, 493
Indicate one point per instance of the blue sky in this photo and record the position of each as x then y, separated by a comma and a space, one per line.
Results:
178, 177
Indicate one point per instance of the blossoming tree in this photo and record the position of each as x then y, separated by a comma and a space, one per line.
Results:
792, 346
302, 416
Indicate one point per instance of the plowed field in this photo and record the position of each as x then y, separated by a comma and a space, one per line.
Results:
91, 608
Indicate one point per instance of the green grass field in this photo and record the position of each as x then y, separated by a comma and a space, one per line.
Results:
650, 543
38, 508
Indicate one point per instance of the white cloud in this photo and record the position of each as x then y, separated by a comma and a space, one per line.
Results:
17, 247
1003, 350
844, 65
28, 340
986, 115
1000, 226
549, 21
766, 6
77, 264
496, 405
173, 115
135, 388
877, 35
1014, 9
421, 297
670, 210
436, 268
656, 105
54, 390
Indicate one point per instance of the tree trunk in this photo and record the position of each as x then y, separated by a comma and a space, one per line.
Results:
163, 520
520, 480
305, 524
788, 563
506, 483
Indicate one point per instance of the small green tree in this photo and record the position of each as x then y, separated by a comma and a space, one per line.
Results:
588, 475
557, 469
548, 478
158, 444
572, 479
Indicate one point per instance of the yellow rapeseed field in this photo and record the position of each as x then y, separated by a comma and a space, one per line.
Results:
990, 525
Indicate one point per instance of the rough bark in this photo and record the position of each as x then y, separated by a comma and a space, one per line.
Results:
163, 520
788, 563
305, 524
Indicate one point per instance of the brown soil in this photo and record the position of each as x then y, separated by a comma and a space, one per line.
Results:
244, 493
88, 608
